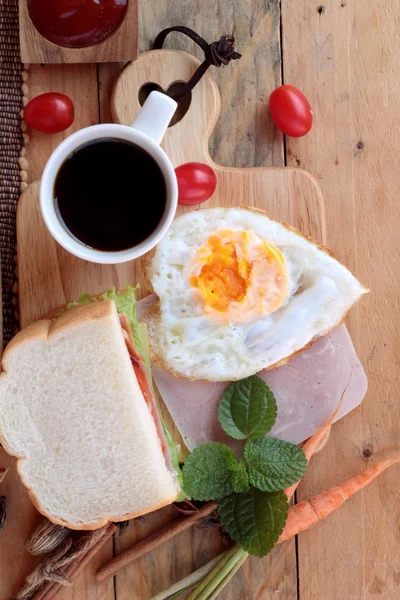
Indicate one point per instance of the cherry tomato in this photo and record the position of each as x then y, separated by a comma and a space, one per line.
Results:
50, 113
196, 183
290, 111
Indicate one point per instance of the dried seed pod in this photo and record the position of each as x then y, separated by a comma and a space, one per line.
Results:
3, 512
46, 538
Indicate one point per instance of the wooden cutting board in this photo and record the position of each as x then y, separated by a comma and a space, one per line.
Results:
49, 277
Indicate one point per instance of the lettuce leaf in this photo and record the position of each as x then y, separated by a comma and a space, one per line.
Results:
145, 353
174, 454
125, 302
173, 449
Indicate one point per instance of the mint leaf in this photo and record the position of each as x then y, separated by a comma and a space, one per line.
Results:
240, 478
247, 409
273, 464
207, 472
255, 520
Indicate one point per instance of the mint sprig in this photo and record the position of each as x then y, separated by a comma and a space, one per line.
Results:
240, 478
247, 409
208, 472
254, 519
274, 464
252, 504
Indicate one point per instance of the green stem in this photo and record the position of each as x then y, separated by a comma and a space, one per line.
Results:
187, 583
224, 557
180, 593
228, 577
222, 574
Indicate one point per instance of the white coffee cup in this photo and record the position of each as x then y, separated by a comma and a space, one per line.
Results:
146, 132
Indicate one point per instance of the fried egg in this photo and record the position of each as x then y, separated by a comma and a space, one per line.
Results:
239, 292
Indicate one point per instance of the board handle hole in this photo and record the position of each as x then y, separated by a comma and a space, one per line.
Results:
183, 104
146, 90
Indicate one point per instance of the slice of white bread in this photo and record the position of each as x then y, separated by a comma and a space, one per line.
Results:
72, 412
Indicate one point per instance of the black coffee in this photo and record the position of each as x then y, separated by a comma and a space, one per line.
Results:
110, 194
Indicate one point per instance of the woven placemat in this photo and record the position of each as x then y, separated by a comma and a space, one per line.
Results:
10, 149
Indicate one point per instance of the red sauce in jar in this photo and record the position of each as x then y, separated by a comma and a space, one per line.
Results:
77, 23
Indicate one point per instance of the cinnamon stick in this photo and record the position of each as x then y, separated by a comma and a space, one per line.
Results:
50, 590
159, 537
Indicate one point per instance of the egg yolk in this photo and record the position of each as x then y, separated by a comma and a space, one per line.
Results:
240, 274
223, 278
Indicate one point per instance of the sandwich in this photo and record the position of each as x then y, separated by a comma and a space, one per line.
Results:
78, 411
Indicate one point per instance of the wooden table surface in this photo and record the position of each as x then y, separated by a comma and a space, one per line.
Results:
345, 56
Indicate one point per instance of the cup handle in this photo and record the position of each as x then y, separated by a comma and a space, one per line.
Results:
155, 116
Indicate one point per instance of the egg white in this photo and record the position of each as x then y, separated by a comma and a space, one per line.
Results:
193, 344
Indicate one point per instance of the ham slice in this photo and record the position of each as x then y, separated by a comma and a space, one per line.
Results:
307, 390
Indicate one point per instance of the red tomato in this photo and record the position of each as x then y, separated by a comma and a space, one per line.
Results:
290, 111
50, 113
196, 183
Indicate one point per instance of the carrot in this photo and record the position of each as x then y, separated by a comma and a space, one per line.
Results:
307, 513
310, 446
